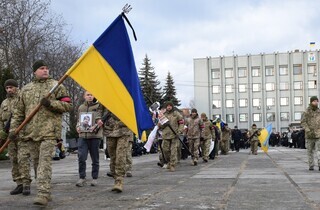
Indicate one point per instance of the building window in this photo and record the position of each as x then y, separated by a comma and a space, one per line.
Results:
298, 100
229, 88
284, 101
243, 102
229, 73
243, 117
297, 116
297, 85
256, 117
297, 69
269, 71
270, 101
269, 86
271, 116
215, 89
256, 102
283, 70
230, 118
256, 71
216, 104
284, 116
256, 87
229, 103
215, 73
312, 70
242, 72
242, 88
284, 86
312, 84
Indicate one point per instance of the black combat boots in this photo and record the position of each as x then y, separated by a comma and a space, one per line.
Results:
26, 190
17, 190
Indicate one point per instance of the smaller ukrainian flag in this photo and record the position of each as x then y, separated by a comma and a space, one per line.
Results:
312, 44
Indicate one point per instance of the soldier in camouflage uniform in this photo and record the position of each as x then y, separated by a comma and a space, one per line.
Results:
194, 132
311, 123
170, 138
253, 138
20, 167
208, 135
45, 127
118, 136
225, 138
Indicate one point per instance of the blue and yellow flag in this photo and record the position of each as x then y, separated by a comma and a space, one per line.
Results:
264, 137
107, 70
219, 123
312, 44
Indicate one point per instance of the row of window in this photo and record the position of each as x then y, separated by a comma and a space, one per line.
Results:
256, 102
269, 71
257, 117
256, 87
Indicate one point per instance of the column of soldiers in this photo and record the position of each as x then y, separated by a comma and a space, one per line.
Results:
199, 132
37, 138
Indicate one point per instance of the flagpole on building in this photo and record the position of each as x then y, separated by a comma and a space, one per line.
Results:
34, 112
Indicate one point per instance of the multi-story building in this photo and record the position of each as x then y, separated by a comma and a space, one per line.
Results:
261, 89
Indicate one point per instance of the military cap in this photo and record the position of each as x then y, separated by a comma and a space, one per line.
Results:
313, 98
38, 64
11, 82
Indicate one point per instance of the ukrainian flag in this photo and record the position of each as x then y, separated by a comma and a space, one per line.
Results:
219, 123
107, 70
312, 44
264, 137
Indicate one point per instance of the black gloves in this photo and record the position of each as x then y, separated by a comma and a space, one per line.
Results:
12, 136
45, 102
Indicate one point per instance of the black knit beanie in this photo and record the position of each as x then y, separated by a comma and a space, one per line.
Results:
38, 64
313, 98
11, 82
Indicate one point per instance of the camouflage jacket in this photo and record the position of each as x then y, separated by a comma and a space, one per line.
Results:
194, 127
46, 123
311, 123
6, 109
225, 134
95, 110
114, 127
255, 132
208, 130
176, 122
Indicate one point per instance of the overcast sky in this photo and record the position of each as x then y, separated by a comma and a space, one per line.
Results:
174, 32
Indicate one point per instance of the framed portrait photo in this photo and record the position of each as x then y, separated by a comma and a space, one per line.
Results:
86, 121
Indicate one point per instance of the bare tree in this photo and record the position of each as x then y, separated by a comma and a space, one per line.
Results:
30, 31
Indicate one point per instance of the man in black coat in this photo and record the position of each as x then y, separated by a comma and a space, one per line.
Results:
236, 136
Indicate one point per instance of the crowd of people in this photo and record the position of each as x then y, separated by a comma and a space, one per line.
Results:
178, 136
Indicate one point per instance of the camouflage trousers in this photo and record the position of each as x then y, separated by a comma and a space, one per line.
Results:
205, 148
194, 147
117, 149
170, 150
43, 150
313, 145
254, 146
179, 148
19, 152
224, 146
129, 157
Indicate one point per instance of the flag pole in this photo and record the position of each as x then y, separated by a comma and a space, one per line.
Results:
34, 111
